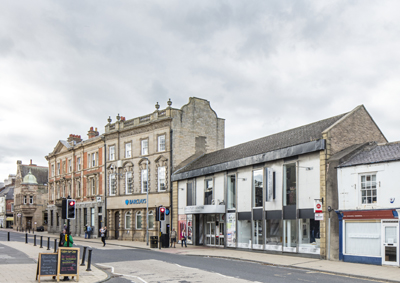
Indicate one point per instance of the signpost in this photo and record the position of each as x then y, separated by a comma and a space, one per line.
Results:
68, 259
47, 265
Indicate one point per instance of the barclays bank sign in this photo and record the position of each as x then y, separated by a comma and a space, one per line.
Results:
135, 201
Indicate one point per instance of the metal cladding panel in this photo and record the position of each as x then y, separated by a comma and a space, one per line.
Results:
257, 214
251, 160
244, 215
273, 214
289, 212
306, 213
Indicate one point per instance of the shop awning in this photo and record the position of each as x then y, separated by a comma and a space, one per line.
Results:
368, 214
9, 219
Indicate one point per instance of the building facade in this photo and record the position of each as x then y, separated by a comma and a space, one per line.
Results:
369, 205
7, 202
260, 195
30, 197
76, 169
142, 153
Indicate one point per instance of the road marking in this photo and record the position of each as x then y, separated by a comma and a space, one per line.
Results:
304, 280
181, 266
225, 276
125, 275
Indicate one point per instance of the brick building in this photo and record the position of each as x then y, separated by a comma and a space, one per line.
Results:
7, 202
76, 169
30, 196
141, 154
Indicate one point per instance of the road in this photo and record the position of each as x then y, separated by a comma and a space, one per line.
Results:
140, 266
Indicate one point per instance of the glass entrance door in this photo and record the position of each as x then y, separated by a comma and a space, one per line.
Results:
390, 233
210, 230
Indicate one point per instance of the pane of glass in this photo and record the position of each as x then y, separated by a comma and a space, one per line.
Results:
363, 193
391, 254
231, 192
257, 187
290, 184
374, 178
362, 178
368, 178
390, 235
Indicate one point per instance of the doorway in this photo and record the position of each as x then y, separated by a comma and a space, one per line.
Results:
210, 230
29, 223
116, 225
390, 241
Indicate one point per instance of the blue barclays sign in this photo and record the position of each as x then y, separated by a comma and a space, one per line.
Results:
135, 201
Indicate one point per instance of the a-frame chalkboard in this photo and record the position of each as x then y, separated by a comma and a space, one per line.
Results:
68, 262
47, 265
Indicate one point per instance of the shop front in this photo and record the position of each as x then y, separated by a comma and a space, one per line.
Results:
127, 216
370, 236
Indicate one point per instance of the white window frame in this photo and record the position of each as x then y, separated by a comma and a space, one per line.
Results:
79, 163
371, 189
24, 199
113, 177
78, 189
111, 152
30, 199
58, 168
128, 150
93, 186
129, 173
144, 174
139, 214
161, 143
159, 175
69, 165
53, 172
94, 159
128, 214
151, 214
145, 147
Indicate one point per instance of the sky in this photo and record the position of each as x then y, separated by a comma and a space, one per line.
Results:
265, 66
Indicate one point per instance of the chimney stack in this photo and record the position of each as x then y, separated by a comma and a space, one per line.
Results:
92, 133
74, 139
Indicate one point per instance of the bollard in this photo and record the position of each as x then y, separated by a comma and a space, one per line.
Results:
41, 242
8, 236
17, 229
55, 245
48, 243
29, 230
34, 240
26, 238
83, 256
33, 231
89, 260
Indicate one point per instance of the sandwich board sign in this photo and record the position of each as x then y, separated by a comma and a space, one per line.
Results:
47, 265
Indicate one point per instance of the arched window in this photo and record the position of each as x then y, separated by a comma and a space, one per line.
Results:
151, 220
139, 220
128, 217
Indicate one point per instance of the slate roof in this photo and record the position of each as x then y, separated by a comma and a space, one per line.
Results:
8, 192
41, 173
296, 136
375, 153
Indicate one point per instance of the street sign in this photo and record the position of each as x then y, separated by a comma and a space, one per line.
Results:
319, 217
317, 206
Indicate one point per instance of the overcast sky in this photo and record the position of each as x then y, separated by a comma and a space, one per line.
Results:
265, 66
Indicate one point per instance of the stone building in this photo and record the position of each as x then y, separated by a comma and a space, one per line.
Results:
142, 153
7, 202
260, 195
30, 196
76, 169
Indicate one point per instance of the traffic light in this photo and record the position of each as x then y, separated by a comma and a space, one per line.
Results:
162, 213
71, 208
64, 211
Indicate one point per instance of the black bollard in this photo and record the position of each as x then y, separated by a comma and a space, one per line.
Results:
29, 230
41, 242
17, 229
48, 243
26, 238
34, 240
89, 260
8, 236
33, 231
55, 245
83, 256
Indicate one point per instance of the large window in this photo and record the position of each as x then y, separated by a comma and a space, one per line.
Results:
273, 235
129, 183
309, 238
112, 152
244, 233
128, 217
363, 238
289, 184
145, 147
30, 199
93, 159
139, 220
161, 143
58, 168
128, 150
208, 191
79, 163
78, 189
151, 220
289, 235
258, 234
368, 189
113, 185
231, 197
161, 178
52, 170
24, 199
93, 185
144, 180
190, 194
258, 188
69, 165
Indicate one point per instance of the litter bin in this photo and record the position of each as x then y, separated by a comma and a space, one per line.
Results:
153, 242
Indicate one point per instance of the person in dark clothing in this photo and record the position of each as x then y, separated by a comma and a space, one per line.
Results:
103, 232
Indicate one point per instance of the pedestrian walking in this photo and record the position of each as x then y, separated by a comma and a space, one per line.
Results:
103, 232
183, 239
62, 238
85, 229
173, 237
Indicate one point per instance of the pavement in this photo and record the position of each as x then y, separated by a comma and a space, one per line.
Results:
10, 272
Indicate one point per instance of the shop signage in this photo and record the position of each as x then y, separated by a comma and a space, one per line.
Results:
135, 201
204, 209
317, 206
319, 217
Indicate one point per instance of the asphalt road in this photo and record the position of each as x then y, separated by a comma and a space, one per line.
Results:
140, 266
